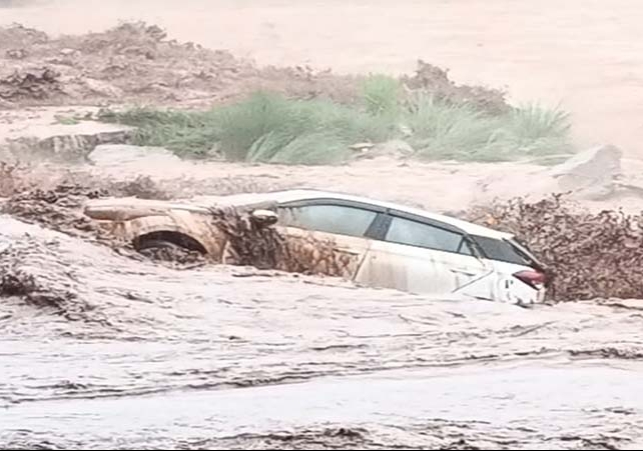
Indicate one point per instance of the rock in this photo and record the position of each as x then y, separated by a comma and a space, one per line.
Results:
69, 52
16, 54
102, 88
592, 173
360, 150
66, 146
361, 147
30, 84
56, 133
394, 149
125, 154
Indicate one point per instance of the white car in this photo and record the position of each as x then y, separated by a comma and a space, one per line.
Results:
391, 246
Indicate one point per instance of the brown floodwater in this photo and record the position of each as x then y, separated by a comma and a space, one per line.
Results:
111, 351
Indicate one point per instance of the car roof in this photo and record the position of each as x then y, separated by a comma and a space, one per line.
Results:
306, 194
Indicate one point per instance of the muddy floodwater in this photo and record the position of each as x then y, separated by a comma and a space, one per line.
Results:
102, 348
114, 351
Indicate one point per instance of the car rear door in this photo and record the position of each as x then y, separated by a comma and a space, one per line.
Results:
323, 223
421, 257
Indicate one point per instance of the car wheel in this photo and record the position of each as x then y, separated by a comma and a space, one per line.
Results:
158, 244
163, 250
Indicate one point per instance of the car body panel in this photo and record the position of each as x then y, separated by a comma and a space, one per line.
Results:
129, 208
344, 260
130, 222
421, 270
510, 289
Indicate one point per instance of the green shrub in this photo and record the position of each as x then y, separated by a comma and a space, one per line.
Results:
271, 128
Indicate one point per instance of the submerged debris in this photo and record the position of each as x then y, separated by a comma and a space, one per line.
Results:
59, 207
15, 282
10, 181
340, 438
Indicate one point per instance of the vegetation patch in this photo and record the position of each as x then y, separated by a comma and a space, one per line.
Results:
273, 128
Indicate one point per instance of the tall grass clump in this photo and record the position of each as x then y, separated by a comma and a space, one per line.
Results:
537, 131
447, 131
441, 131
271, 128
265, 127
381, 95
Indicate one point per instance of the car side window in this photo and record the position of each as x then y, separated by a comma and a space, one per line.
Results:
336, 219
413, 233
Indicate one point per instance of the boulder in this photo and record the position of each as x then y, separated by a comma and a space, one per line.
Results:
102, 88
591, 173
124, 154
397, 149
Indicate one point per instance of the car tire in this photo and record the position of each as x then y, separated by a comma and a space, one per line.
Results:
158, 244
163, 250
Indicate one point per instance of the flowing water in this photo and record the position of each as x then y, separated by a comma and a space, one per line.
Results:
115, 351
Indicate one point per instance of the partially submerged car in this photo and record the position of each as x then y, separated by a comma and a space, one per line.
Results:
391, 246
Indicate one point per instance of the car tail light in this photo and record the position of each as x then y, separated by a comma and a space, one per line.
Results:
534, 279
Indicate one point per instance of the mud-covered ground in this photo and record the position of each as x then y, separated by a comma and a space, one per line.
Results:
138, 63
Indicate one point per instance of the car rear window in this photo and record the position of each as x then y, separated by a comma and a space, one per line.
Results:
504, 251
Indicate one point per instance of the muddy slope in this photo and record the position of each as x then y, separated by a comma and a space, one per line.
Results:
137, 63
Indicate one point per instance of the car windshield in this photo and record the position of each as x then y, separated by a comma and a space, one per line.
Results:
509, 251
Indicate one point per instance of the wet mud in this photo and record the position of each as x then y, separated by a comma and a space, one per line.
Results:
137, 62
251, 244
97, 345
60, 207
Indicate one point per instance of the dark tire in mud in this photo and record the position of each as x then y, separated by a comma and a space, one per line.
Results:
157, 245
173, 247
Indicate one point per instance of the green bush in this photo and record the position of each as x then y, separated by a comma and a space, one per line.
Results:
381, 95
263, 128
459, 132
271, 128
537, 131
